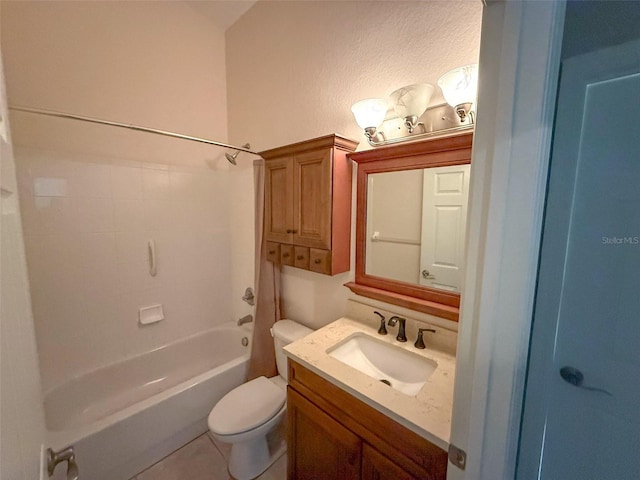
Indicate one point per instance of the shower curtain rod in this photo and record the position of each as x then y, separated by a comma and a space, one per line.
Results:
82, 118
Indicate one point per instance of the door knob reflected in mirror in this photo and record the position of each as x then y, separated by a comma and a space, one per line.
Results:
426, 275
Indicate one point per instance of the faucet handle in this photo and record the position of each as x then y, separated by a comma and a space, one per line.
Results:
382, 330
419, 341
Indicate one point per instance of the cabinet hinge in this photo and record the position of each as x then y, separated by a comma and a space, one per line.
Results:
457, 456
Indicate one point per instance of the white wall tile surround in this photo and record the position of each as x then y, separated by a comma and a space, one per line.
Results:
87, 221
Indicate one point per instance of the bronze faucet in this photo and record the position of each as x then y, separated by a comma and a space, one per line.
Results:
382, 330
419, 341
402, 336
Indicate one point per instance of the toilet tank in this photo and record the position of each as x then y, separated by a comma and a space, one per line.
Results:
284, 332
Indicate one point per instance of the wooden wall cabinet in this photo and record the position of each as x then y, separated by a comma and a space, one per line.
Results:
331, 434
307, 215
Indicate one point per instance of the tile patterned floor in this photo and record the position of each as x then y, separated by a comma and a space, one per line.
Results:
203, 459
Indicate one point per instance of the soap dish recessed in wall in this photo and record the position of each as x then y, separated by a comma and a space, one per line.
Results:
151, 314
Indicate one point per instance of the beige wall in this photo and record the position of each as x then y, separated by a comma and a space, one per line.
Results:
394, 215
91, 196
295, 68
156, 64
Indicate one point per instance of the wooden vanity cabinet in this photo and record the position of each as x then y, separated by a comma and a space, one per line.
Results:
332, 434
308, 203
322, 447
376, 466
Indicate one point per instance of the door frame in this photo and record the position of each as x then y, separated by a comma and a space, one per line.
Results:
519, 70
23, 418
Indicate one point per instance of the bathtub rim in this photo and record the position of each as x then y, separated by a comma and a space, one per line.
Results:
58, 439
231, 325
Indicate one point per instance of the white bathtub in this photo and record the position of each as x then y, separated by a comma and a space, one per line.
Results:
124, 417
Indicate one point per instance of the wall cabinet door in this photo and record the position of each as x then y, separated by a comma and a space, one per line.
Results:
312, 199
278, 206
319, 446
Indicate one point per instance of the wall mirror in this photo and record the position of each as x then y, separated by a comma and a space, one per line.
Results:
410, 223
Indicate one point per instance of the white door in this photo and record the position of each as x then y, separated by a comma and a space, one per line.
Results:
22, 432
444, 215
581, 418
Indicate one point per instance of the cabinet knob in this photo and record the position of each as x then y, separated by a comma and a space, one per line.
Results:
289, 230
317, 261
272, 252
285, 255
300, 257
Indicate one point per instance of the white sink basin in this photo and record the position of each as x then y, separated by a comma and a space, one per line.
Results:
404, 371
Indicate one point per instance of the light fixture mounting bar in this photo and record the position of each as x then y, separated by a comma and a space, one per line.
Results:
438, 121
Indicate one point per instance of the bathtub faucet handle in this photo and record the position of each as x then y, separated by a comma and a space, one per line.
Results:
249, 297
245, 319
65, 455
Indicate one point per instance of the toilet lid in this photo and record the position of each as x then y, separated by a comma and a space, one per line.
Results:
246, 407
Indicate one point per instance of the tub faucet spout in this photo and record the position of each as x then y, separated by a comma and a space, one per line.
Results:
245, 319
402, 336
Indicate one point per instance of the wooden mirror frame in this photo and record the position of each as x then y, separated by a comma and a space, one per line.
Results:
437, 152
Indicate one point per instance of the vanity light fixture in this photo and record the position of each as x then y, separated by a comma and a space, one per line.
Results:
460, 87
411, 102
369, 114
408, 102
409, 116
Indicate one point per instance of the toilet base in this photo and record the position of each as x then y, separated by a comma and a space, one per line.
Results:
251, 455
250, 459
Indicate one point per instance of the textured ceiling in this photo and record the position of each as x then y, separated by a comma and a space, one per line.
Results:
309, 61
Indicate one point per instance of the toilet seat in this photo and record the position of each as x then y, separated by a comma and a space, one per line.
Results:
246, 407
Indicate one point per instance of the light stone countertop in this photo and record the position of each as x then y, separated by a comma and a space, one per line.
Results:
428, 413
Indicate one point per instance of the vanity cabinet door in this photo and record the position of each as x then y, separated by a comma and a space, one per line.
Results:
327, 425
319, 446
376, 466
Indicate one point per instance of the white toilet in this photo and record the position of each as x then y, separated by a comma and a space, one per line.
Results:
248, 413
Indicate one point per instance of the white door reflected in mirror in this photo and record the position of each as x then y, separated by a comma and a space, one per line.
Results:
444, 218
416, 225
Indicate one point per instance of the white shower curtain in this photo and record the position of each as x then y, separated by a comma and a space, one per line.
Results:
267, 285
